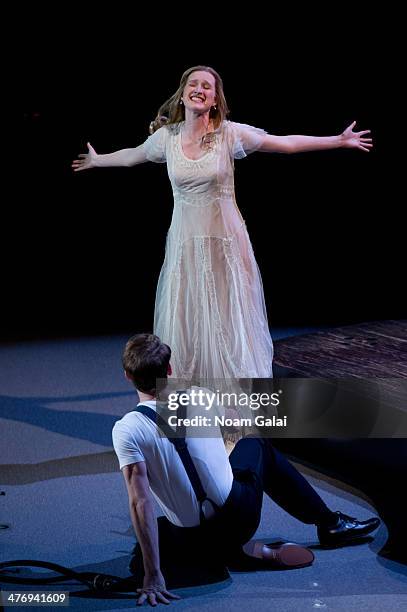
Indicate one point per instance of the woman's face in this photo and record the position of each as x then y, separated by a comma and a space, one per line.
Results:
199, 93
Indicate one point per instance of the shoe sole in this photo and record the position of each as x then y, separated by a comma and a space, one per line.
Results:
290, 555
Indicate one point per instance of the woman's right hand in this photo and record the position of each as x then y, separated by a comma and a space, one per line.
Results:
85, 160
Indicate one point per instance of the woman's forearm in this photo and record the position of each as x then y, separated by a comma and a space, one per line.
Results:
124, 157
299, 144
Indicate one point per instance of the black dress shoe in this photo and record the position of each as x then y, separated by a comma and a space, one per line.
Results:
346, 530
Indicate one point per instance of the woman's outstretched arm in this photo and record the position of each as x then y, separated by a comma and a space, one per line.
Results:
299, 144
124, 157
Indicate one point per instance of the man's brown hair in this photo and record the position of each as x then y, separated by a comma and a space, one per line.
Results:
146, 358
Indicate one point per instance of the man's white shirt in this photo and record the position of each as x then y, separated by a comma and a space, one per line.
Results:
136, 438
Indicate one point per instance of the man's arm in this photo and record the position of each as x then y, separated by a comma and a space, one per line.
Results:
299, 144
145, 525
143, 515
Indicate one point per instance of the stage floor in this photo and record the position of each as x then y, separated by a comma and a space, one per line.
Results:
65, 500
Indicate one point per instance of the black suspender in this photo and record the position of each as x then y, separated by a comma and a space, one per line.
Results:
182, 449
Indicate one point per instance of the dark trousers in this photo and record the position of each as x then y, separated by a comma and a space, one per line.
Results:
189, 553
258, 467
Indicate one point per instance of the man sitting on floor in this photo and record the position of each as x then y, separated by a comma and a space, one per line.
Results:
198, 487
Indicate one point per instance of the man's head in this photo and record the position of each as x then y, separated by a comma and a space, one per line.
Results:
146, 358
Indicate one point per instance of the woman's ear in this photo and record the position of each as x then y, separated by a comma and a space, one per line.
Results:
169, 370
128, 376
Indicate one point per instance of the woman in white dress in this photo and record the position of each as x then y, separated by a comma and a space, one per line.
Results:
210, 306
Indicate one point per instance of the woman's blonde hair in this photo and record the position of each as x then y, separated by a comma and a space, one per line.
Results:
174, 112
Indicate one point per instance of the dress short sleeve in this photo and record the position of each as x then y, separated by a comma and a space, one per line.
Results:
245, 139
155, 146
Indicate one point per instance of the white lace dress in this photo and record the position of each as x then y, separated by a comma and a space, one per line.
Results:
210, 305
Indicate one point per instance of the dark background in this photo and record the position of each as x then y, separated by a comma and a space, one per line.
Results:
84, 250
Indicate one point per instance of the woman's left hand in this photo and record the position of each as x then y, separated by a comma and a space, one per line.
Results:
355, 140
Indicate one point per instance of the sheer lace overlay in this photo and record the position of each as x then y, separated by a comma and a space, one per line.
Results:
210, 305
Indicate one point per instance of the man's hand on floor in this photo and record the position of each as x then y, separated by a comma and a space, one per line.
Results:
154, 591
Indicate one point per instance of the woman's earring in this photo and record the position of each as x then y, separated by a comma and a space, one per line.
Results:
214, 107
181, 101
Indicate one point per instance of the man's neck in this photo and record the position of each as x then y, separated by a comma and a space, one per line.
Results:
145, 397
